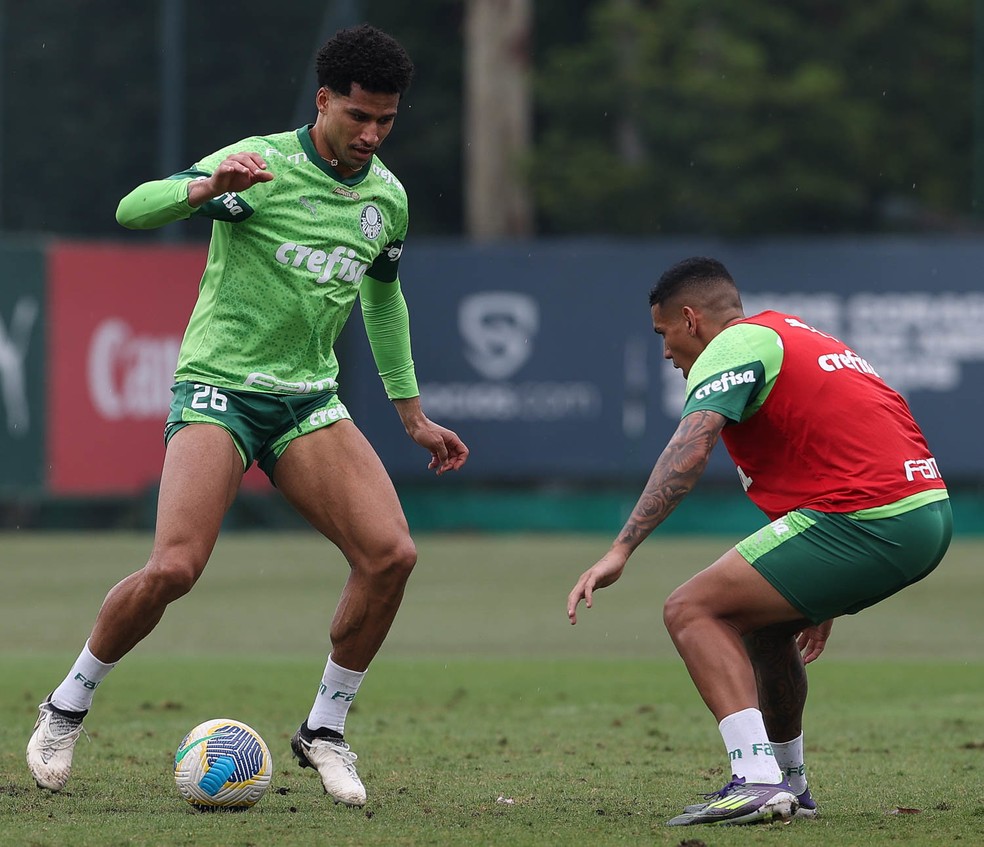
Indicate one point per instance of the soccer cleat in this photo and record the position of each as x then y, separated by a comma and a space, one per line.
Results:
807, 806
49, 752
331, 757
742, 802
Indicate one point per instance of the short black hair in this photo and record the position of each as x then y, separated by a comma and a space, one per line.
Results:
697, 272
366, 56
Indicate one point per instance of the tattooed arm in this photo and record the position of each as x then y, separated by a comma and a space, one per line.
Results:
674, 476
676, 473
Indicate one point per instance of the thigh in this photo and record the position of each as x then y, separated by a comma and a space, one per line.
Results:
201, 475
334, 478
733, 591
302, 415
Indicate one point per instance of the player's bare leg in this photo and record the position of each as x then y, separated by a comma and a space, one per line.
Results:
780, 678
202, 471
707, 618
335, 480
782, 689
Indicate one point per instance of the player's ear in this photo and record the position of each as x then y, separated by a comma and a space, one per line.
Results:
691, 318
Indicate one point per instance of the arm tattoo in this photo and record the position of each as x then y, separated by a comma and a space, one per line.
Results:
675, 474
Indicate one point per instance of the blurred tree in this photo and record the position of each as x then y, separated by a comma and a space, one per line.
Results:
498, 112
758, 117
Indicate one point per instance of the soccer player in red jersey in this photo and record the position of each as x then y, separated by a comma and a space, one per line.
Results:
857, 505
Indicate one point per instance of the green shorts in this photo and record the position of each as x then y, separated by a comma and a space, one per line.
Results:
827, 565
261, 425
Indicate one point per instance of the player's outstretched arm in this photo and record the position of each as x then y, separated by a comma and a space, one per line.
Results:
448, 452
677, 470
162, 201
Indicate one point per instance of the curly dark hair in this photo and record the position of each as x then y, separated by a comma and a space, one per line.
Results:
366, 56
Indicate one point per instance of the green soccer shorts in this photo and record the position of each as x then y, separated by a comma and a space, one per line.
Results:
261, 425
828, 565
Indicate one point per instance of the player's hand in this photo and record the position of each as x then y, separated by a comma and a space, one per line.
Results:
812, 640
237, 172
448, 452
600, 575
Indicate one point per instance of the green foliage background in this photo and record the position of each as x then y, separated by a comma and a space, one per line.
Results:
650, 117
759, 117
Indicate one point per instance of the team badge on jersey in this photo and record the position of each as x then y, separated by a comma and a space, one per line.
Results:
371, 222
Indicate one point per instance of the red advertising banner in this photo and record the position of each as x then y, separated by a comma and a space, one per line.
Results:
116, 317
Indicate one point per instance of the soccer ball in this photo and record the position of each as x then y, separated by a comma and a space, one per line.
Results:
222, 764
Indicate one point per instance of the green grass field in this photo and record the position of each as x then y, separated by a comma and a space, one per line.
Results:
487, 719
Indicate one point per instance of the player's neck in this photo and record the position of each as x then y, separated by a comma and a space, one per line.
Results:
326, 153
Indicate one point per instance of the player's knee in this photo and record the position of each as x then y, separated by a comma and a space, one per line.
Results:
402, 559
678, 611
172, 576
394, 563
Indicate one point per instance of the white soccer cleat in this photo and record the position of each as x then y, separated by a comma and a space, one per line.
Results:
49, 752
335, 764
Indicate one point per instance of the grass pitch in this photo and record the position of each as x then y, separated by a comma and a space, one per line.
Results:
487, 719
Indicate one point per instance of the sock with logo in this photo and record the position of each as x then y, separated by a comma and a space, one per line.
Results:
75, 692
789, 757
748, 745
338, 689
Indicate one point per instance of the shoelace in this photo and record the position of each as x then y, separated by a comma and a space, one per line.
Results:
736, 781
70, 731
341, 748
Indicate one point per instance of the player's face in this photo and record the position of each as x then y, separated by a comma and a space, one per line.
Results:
351, 127
680, 344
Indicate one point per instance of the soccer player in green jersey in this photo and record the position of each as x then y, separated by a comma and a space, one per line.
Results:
857, 505
304, 224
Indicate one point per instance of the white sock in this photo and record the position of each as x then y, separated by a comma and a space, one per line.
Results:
338, 689
75, 692
748, 745
789, 757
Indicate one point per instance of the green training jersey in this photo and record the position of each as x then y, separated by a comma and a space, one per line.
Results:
286, 263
